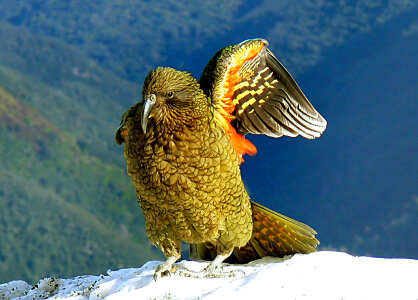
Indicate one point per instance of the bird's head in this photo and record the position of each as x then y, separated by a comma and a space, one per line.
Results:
171, 98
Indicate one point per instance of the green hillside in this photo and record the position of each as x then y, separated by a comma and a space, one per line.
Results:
64, 210
67, 87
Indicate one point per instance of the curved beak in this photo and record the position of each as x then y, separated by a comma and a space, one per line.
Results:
147, 110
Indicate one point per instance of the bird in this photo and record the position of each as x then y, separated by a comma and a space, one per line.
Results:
184, 143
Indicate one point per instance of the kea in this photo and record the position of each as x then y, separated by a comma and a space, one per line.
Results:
184, 143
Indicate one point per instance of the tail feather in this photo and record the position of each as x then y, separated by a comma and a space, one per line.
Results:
273, 235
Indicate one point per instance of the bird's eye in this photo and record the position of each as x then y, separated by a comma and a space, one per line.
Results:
170, 94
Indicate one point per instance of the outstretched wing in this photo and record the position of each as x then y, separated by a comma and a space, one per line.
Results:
255, 92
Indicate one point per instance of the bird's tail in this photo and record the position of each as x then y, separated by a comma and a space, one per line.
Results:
273, 235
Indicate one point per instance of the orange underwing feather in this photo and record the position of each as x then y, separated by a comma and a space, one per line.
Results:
241, 145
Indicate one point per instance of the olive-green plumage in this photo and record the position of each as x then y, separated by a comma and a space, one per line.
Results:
185, 171
187, 178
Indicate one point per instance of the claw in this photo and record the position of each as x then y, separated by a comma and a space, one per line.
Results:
161, 271
166, 268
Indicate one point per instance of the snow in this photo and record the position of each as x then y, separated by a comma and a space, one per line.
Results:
320, 275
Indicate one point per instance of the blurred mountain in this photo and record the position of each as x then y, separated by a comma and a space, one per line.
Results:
69, 88
64, 192
131, 37
69, 69
127, 37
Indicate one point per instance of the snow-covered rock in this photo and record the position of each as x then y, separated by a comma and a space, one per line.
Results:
321, 275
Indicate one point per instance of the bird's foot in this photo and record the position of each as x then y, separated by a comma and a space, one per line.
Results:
166, 268
211, 272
